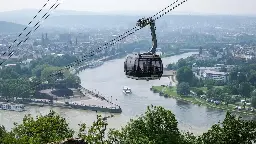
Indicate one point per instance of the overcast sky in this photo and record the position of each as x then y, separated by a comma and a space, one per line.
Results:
201, 6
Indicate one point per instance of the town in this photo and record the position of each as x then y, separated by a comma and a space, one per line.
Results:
69, 64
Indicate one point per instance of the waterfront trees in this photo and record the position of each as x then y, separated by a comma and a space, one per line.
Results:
184, 74
20, 80
253, 101
156, 126
245, 89
183, 88
231, 130
43, 129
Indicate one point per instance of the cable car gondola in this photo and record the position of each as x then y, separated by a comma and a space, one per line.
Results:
145, 66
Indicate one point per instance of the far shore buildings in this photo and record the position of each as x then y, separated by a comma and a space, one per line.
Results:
213, 73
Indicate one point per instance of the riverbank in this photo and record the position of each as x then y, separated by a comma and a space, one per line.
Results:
181, 52
86, 65
81, 99
171, 93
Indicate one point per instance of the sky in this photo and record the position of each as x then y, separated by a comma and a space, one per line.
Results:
233, 7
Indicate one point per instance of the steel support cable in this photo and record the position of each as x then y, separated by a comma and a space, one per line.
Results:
121, 37
126, 34
111, 43
34, 28
27, 26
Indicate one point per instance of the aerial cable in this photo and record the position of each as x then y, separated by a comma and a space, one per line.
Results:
27, 25
126, 34
34, 28
129, 32
112, 42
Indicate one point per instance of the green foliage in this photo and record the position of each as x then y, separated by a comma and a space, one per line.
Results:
171, 66
198, 91
245, 89
43, 129
95, 133
12, 87
215, 93
183, 88
16, 80
184, 74
157, 126
36, 71
253, 102
47, 71
182, 63
231, 130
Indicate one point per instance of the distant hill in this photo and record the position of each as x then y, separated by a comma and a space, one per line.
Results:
9, 27
67, 19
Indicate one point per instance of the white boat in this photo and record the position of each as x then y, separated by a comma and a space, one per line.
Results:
95, 64
12, 107
127, 90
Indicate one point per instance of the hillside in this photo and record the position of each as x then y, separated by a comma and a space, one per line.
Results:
9, 27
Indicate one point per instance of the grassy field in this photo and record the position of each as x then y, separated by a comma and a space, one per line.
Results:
204, 89
171, 92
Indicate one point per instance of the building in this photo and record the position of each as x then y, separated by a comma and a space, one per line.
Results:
214, 75
26, 63
202, 69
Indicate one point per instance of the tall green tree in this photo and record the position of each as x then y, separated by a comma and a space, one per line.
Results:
43, 129
232, 130
245, 89
95, 133
183, 88
156, 126
253, 99
181, 63
184, 74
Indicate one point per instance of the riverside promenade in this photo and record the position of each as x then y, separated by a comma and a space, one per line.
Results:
82, 99
91, 101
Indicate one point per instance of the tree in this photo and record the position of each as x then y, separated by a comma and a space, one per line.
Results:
43, 129
231, 130
227, 99
95, 133
171, 66
216, 94
156, 126
47, 71
198, 91
184, 74
252, 77
253, 100
241, 77
181, 63
245, 89
183, 88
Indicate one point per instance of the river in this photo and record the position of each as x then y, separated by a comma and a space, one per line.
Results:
109, 79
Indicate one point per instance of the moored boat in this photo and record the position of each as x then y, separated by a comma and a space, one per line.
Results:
12, 107
127, 90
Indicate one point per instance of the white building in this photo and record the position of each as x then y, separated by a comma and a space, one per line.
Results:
214, 75
202, 69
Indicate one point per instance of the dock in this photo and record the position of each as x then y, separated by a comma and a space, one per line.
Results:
82, 99
89, 100
96, 102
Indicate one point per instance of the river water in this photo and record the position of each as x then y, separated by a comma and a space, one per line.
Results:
109, 79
